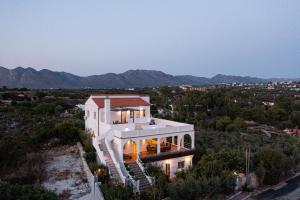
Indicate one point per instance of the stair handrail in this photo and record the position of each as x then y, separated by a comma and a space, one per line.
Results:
150, 178
114, 161
120, 166
99, 152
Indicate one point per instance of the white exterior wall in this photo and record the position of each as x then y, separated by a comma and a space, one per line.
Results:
91, 124
174, 164
119, 134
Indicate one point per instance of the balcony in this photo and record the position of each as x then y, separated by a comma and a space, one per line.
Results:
160, 126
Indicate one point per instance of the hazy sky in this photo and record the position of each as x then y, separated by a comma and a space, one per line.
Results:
203, 38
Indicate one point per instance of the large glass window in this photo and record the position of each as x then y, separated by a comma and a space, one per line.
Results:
137, 114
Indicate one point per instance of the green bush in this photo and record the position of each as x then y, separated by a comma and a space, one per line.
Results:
90, 156
44, 108
65, 131
93, 166
23, 192
116, 192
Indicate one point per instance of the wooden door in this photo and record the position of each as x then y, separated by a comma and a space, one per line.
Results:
168, 169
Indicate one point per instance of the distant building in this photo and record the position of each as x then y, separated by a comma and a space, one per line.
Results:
80, 106
191, 88
293, 132
268, 103
250, 123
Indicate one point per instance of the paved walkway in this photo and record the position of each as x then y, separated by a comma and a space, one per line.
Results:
95, 193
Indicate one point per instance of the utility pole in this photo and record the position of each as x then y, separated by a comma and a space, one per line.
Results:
247, 162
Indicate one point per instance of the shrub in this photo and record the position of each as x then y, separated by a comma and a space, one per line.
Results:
19, 192
93, 166
44, 108
90, 156
113, 192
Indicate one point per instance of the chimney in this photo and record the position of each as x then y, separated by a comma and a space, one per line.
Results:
107, 110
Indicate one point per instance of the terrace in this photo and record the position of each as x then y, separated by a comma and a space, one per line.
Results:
154, 127
157, 148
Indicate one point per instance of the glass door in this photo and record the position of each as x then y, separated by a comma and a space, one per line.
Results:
123, 117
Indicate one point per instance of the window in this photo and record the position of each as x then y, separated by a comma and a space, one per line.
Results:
181, 165
94, 115
88, 113
137, 114
143, 113
131, 114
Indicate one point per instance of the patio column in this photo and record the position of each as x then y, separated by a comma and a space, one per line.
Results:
158, 145
193, 141
178, 142
107, 110
138, 147
172, 139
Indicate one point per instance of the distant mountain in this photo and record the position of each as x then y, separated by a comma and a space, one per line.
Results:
43, 79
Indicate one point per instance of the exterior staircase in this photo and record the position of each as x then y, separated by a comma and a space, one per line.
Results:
109, 162
139, 174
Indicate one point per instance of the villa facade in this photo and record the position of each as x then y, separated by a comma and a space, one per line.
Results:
126, 136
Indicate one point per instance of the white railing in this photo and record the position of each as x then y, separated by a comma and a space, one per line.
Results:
150, 178
128, 179
154, 131
99, 152
117, 164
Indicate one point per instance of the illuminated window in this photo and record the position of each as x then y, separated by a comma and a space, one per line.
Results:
137, 114
143, 113
181, 165
131, 114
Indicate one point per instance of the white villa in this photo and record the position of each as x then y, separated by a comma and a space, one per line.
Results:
126, 136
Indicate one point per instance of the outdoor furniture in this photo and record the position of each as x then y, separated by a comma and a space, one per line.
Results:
151, 148
127, 157
152, 122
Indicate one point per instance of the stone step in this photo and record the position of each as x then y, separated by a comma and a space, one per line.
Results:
139, 174
109, 162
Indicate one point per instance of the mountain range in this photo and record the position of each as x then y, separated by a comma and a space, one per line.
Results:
46, 79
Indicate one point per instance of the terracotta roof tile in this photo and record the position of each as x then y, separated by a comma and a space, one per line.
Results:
121, 102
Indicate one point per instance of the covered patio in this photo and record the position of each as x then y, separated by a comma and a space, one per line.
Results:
153, 147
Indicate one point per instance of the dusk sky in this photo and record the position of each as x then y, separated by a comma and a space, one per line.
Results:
203, 38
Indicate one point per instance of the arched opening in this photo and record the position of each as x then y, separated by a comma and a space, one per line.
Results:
187, 141
129, 151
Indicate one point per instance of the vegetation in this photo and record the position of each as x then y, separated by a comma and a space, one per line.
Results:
222, 136
159, 190
116, 192
23, 192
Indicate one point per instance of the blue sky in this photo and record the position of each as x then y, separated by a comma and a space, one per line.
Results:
203, 38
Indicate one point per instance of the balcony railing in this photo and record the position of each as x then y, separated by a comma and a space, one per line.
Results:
167, 155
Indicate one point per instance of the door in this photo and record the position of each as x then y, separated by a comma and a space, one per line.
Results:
168, 169
123, 117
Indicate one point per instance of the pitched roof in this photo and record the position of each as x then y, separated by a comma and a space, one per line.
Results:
121, 102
